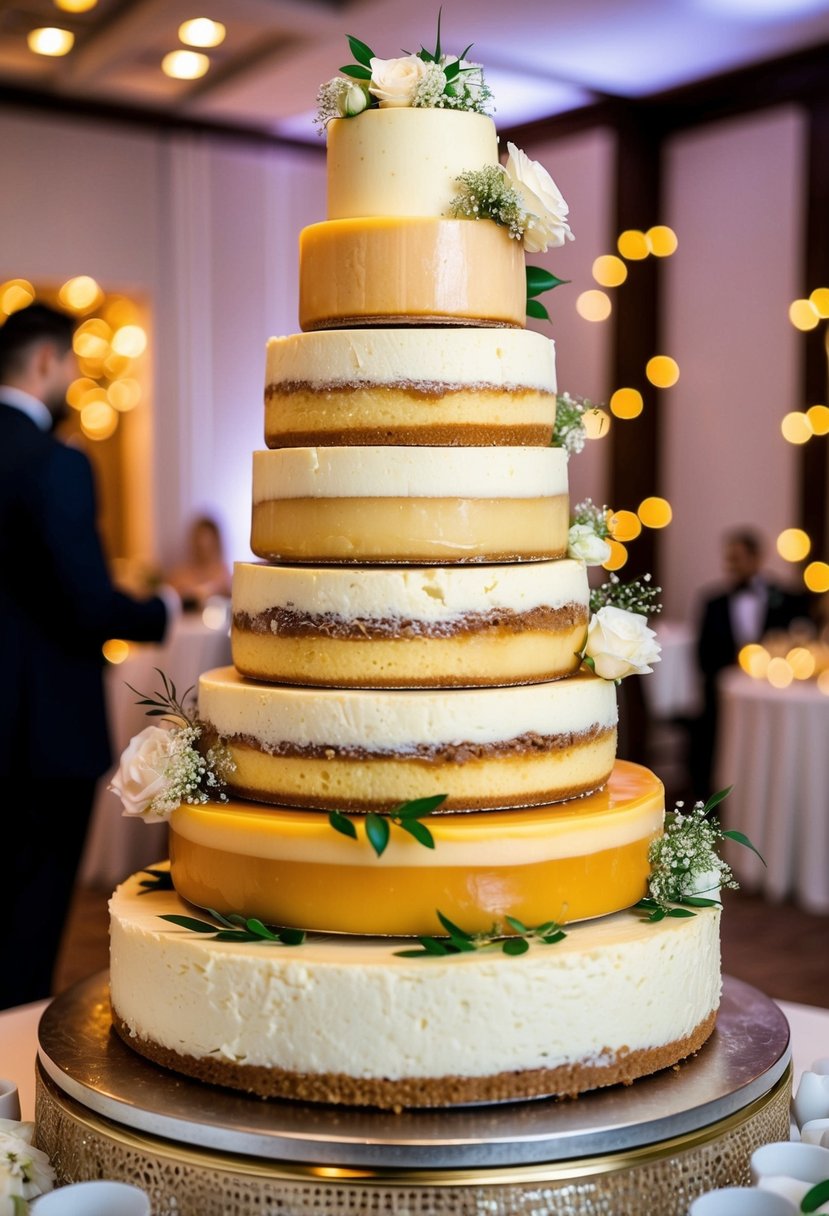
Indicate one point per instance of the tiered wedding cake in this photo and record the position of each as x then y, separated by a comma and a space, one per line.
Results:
422, 869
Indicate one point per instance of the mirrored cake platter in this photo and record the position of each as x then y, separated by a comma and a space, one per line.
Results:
747, 1055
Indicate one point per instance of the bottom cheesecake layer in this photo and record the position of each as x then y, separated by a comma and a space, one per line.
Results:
348, 1020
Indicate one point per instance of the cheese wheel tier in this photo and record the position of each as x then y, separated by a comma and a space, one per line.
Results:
403, 161
473, 386
409, 505
584, 859
362, 750
348, 1020
421, 271
404, 627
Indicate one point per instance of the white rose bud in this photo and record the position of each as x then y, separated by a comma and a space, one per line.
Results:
584, 544
394, 81
141, 773
546, 209
620, 643
353, 100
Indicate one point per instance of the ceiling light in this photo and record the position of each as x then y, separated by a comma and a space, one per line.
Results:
75, 6
49, 40
184, 65
201, 31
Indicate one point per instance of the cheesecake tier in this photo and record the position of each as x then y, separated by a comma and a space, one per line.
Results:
409, 505
402, 161
420, 271
363, 750
288, 867
461, 626
414, 386
348, 1020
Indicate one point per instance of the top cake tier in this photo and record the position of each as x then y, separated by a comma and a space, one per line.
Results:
402, 161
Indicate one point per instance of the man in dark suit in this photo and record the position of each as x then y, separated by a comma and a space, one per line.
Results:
750, 606
58, 606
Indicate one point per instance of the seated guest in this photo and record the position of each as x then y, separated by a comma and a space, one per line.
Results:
205, 572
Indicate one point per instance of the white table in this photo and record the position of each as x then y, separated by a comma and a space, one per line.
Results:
117, 846
773, 746
672, 689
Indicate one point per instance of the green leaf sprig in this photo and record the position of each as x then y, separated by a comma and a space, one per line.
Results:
159, 880
539, 280
458, 941
378, 827
167, 704
236, 928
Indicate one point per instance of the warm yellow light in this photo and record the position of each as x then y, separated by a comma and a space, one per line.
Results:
49, 40
819, 299
593, 305
625, 525
618, 555
116, 650
201, 31
93, 368
633, 245
118, 311
802, 662
816, 577
596, 423
803, 314
609, 271
116, 365
655, 512
823, 682
76, 390
662, 240
130, 340
626, 403
91, 339
124, 394
754, 660
75, 6
796, 427
98, 420
185, 65
15, 294
779, 674
92, 395
662, 371
793, 544
818, 418
80, 293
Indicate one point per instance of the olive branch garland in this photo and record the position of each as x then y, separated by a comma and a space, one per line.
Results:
378, 827
236, 928
167, 705
461, 942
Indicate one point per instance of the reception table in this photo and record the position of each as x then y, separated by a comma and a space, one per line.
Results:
773, 746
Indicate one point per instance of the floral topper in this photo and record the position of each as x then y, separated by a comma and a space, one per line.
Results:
25, 1171
163, 766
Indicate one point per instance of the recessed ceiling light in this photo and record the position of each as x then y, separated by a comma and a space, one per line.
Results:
48, 40
201, 31
75, 6
184, 65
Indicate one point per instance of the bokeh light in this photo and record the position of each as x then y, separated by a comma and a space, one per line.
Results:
626, 403
779, 674
823, 682
609, 271
662, 371
796, 427
77, 390
201, 31
98, 420
818, 418
816, 577
593, 305
793, 544
754, 660
633, 245
618, 555
124, 395
116, 650
15, 294
625, 525
802, 662
819, 299
655, 512
130, 340
80, 293
50, 40
185, 65
596, 423
661, 240
803, 314
75, 6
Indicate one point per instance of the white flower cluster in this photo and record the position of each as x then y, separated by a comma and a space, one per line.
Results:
586, 540
162, 767
413, 81
486, 194
570, 432
684, 861
25, 1171
339, 98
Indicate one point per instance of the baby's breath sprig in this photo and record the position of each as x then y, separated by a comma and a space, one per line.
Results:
486, 194
686, 870
587, 514
458, 941
378, 827
636, 596
569, 431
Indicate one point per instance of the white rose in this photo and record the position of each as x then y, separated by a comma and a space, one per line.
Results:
24, 1171
394, 81
352, 100
546, 209
583, 543
620, 643
141, 773
705, 883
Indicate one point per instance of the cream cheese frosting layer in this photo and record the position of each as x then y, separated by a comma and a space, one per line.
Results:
430, 360
433, 594
379, 722
404, 161
409, 472
612, 986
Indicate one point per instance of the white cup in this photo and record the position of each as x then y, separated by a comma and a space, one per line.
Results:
815, 1131
96, 1198
811, 1099
741, 1201
790, 1159
9, 1100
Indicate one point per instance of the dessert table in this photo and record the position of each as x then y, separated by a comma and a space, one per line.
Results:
772, 746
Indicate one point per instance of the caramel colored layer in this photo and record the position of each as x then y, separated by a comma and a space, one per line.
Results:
623, 1067
497, 621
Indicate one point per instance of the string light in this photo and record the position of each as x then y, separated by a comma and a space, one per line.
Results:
593, 305
626, 403
793, 544
662, 371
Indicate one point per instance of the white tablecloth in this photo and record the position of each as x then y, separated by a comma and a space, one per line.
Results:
672, 689
773, 746
117, 846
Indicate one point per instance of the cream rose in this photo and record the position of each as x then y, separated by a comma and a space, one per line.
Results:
141, 773
546, 209
620, 643
394, 81
583, 543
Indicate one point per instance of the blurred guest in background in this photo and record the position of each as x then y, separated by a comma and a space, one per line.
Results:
205, 571
748, 607
58, 605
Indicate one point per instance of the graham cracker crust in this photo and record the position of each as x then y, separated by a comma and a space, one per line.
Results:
339, 1089
446, 436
